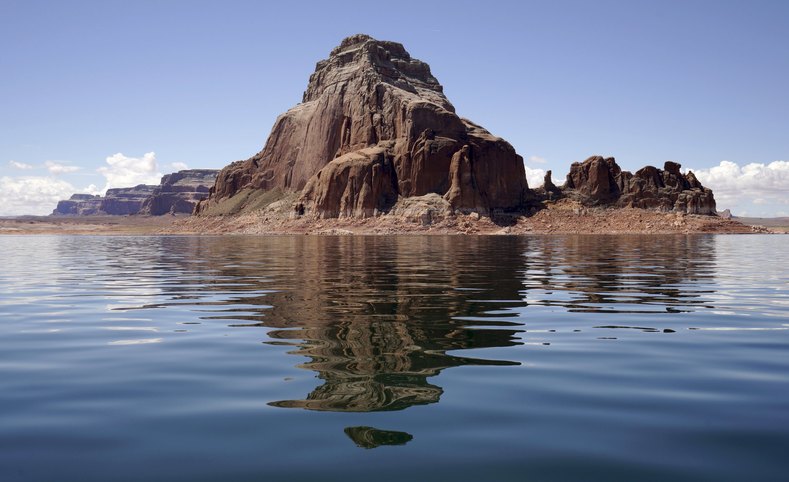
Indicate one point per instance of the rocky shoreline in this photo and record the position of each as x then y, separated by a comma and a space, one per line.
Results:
564, 217
561, 218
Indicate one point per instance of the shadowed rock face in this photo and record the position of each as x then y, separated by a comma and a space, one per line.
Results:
179, 192
126, 200
78, 205
600, 181
374, 125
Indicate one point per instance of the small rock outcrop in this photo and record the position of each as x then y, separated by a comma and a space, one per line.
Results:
179, 192
374, 126
599, 181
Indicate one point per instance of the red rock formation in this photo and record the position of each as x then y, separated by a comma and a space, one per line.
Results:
600, 181
373, 94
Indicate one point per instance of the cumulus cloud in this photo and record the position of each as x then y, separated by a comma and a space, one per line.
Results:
123, 171
179, 166
755, 183
31, 194
535, 177
20, 165
55, 167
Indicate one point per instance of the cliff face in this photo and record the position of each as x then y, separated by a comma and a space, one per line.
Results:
179, 192
600, 181
78, 205
374, 126
125, 200
120, 201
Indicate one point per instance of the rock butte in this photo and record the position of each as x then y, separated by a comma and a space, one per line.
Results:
374, 130
177, 193
374, 126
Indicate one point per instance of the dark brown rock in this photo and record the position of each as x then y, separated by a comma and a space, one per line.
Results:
179, 192
595, 180
600, 181
367, 94
358, 184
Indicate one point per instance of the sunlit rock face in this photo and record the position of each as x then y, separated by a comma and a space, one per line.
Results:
374, 125
600, 181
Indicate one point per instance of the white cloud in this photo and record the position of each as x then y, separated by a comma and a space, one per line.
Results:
179, 166
122, 171
534, 177
32, 195
755, 183
20, 165
55, 167
537, 160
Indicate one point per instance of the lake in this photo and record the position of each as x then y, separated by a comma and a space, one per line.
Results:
394, 358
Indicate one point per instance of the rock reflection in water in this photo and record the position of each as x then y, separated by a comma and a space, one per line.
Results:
384, 365
377, 317
370, 438
378, 321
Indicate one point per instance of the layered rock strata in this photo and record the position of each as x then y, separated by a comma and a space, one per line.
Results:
374, 126
119, 201
125, 200
78, 205
179, 192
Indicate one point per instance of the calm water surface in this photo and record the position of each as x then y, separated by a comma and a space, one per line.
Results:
394, 358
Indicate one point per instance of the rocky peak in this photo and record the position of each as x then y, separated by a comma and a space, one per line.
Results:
374, 126
372, 61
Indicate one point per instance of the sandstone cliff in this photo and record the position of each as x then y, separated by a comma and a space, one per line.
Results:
375, 126
179, 192
600, 181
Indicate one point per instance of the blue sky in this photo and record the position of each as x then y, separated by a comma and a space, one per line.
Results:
87, 89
